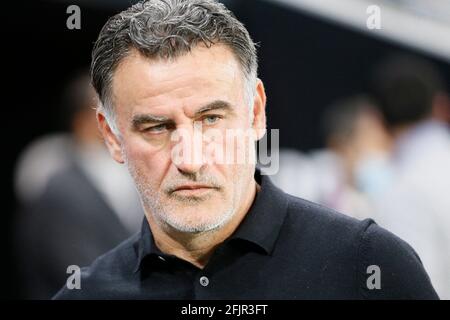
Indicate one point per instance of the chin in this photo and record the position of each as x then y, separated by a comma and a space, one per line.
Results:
197, 224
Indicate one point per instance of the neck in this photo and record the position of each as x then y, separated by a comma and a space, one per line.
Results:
197, 248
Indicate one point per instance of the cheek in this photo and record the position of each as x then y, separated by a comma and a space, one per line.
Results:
148, 159
229, 174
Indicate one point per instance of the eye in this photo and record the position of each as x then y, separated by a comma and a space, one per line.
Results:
211, 119
156, 129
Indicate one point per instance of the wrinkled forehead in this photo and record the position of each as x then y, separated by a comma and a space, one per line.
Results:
203, 72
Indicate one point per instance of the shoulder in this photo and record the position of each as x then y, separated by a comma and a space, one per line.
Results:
400, 271
107, 273
360, 247
316, 219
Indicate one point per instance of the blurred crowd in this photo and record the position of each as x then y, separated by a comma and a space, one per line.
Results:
386, 157
76, 202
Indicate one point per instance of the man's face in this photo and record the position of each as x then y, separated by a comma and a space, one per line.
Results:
157, 102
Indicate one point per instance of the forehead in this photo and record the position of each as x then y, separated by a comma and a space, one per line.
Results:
196, 77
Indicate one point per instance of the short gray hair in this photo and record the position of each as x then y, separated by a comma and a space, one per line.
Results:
168, 29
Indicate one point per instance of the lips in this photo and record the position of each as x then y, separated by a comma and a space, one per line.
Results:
193, 187
193, 190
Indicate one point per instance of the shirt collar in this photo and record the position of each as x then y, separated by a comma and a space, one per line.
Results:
145, 245
261, 225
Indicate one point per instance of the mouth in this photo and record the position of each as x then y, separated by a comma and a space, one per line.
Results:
193, 190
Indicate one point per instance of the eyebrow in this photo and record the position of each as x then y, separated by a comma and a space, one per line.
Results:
140, 119
215, 105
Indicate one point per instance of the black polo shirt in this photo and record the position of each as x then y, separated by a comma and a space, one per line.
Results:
285, 248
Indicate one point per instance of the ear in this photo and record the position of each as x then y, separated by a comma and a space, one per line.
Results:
259, 110
111, 140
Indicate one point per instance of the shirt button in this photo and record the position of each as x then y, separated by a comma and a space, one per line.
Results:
204, 281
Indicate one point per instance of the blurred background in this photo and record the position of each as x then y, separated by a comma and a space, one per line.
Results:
363, 113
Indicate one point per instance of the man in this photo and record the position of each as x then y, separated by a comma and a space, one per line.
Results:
415, 203
217, 229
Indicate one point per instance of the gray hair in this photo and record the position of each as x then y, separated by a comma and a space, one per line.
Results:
168, 29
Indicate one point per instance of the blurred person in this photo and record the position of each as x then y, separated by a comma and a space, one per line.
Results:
38, 163
76, 202
355, 138
167, 72
297, 174
416, 204
441, 108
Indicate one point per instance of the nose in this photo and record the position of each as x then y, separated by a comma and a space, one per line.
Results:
187, 152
